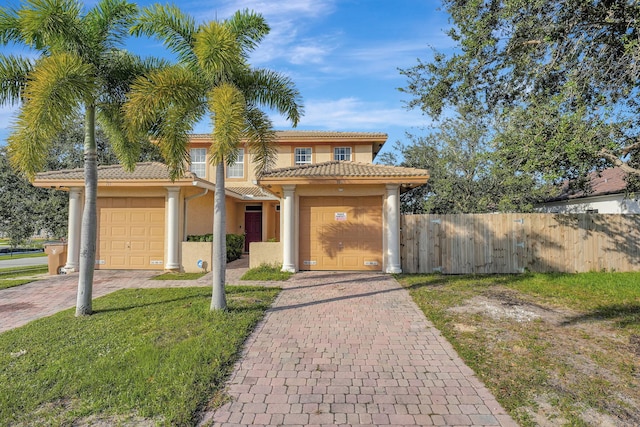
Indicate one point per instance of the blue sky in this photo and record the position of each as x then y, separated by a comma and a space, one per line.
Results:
343, 55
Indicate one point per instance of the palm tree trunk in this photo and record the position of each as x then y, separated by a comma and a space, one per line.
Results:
218, 298
89, 216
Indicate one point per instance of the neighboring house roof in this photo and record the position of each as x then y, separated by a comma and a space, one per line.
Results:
608, 181
150, 172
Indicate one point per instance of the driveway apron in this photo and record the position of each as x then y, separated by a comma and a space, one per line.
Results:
352, 349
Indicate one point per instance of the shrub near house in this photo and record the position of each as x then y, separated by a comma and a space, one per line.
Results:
235, 244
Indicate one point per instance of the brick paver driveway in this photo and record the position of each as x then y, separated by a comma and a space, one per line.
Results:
352, 349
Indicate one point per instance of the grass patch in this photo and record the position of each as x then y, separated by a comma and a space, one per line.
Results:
178, 276
571, 363
19, 256
266, 272
11, 277
145, 354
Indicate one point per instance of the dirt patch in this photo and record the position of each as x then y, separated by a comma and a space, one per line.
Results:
505, 309
582, 370
634, 342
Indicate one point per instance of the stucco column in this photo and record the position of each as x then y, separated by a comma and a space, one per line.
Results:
289, 230
73, 233
393, 229
172, 227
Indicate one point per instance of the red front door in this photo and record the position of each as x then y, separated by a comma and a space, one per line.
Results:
252, 228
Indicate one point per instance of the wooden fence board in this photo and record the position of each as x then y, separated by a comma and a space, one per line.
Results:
513, 243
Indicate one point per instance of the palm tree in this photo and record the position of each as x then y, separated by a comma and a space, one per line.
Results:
212, 77
80, 69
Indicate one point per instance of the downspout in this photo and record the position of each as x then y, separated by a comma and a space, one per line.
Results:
187, 199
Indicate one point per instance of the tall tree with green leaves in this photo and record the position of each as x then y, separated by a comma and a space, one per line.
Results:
212, 77
561, 78
466, 174
81, 69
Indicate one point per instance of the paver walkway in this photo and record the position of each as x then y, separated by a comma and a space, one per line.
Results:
352, 349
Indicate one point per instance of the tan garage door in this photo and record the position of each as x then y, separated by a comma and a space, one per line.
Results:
341, 233
131, 233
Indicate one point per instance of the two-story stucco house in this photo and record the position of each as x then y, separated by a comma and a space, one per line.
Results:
325, 200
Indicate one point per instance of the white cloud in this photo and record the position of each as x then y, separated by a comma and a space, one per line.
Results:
352, 114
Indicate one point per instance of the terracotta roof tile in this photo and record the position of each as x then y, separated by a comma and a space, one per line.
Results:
251, 192
143, 171
345, 169
292, 134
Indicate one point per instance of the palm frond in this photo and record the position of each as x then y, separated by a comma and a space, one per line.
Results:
13, 78
111, 119
9, 25
228, 107
28, 146
119, 70
274, 90
109, 21
153, 95
249, 27
217, 50
172, 136
51, 25
168, 24
57, 86
262, 140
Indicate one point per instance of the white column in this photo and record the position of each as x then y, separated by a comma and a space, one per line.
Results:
289, 230
393, 229
173, 214
74, 227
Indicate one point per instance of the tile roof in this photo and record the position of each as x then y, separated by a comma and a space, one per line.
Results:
287, 134
343, 169
250, 192
608, 181
143, 171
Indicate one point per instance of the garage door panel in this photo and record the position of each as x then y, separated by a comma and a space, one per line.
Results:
341, 233
131, 233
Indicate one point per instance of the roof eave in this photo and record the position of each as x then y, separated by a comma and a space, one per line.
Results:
417, 180
65, 184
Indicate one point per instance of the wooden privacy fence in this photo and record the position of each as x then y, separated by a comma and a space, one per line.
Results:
514, 243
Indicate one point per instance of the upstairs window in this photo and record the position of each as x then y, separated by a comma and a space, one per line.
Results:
342, 153
199, 162
236, 170
303, 156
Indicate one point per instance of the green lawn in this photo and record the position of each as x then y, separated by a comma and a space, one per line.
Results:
145, 354
266, 272
178, 276
19, 256
574, 362
13, 276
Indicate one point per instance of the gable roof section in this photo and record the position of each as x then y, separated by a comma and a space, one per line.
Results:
149, 172
344, 172
607, 181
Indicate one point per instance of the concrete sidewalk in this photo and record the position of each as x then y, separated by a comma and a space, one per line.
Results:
352, 349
